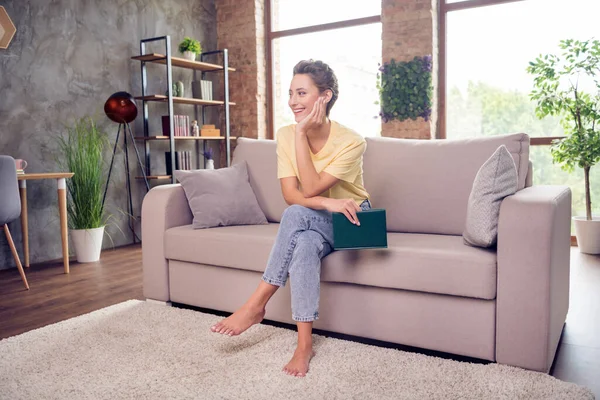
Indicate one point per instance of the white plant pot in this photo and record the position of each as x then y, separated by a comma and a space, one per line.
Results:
588, 234
189, 55
210, 164
87, 244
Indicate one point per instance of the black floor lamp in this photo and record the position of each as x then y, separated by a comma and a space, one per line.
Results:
120, 107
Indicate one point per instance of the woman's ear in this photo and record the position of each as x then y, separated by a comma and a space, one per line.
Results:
328, 95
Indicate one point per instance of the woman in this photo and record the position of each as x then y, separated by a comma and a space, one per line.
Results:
319, 165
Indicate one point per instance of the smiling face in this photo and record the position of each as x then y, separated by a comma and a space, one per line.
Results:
303, 94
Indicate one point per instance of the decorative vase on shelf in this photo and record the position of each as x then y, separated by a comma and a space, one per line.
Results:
178, 90
196, 89
210, 164
179, 86
189, 55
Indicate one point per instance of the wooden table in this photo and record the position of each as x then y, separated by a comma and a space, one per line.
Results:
62, 210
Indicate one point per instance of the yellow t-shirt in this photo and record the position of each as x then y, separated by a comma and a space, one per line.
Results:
341, 157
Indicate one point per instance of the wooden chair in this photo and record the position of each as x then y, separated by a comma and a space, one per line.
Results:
10, 205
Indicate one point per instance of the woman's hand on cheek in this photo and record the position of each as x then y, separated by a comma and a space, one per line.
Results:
314, 119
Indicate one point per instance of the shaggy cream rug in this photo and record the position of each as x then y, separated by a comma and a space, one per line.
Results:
138, 350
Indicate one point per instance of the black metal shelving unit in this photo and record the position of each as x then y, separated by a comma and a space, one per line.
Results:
196, 66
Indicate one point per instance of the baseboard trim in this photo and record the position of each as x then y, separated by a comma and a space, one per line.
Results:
161, 303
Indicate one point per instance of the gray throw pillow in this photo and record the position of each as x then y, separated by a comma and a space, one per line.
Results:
496, 179
221, 197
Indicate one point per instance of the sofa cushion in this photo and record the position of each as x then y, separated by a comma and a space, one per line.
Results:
243, 247
496, 179
424, 185
261, 157
427, 263
221, 197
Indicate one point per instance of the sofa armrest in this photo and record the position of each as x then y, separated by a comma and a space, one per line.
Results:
163, 207
534, 240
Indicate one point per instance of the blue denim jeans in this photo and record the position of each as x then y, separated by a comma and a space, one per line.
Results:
305, 236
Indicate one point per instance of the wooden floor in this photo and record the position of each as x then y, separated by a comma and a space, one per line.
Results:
55, 296
117, 277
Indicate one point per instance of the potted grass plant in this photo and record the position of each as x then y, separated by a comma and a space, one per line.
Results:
560, 89
82, 151
190, 48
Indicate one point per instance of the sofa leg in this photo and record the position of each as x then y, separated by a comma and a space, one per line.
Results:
161, 303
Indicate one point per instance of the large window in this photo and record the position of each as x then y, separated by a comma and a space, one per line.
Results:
290, 14
345, 34
487, 51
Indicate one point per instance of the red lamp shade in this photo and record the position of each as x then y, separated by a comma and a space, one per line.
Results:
120, 107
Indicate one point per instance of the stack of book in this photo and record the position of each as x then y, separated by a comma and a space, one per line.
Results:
180, 122
202, 90
20, 172
206, 89
183, 160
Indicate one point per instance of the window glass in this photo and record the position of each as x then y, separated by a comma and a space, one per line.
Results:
355, 64
488, 51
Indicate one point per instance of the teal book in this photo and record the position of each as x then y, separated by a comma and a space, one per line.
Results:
372, 232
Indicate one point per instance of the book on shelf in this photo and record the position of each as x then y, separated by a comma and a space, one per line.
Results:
181, 125
206, 90
183, 161
20, 172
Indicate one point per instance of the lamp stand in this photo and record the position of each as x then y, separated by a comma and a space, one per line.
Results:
126, 130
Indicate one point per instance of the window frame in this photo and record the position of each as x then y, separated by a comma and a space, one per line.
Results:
271, 35
444, 9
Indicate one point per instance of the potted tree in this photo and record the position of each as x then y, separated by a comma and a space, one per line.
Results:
560, 89
82, 152
190, 48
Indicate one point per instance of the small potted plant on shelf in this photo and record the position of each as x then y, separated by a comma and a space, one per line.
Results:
208, 155
82, 152
560, 89
190, 48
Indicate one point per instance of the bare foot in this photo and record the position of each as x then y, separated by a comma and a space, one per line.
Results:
239, 321
298, 365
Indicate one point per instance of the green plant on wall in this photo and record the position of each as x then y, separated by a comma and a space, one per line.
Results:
557, 91
405, 89
189, 44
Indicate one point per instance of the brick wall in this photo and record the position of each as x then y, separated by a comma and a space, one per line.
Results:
240, 29
408, 31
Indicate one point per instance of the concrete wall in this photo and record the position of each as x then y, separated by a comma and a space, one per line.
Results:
66, 59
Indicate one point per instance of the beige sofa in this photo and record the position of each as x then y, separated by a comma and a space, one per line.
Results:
427, 290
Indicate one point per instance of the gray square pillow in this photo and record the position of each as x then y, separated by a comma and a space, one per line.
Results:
496, 179
221, 197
